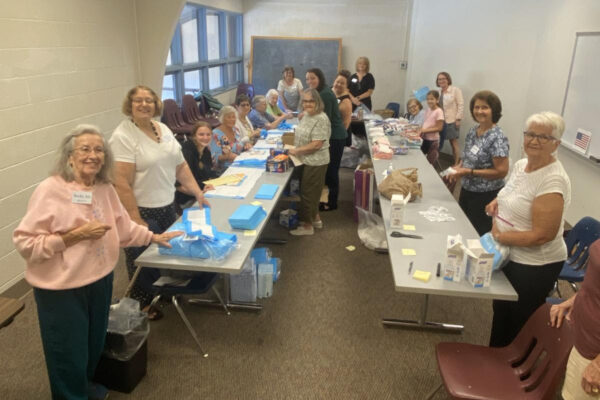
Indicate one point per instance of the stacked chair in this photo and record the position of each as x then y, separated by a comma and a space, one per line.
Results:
173, 118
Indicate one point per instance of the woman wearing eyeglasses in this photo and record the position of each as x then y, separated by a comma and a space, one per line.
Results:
148, 162
529, 216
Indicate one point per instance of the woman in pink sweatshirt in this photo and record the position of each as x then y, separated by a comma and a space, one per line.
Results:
70, 238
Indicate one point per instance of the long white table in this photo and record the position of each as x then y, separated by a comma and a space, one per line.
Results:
221, 210
432, 248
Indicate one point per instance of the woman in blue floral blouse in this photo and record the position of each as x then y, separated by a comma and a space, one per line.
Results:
484, 161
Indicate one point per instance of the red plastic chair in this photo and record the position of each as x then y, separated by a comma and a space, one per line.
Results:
190, 111
245, 88
174, 120
531, 367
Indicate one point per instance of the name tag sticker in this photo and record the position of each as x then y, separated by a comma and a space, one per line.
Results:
475, 149
81, 197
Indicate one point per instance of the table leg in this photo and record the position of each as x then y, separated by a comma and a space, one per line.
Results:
422, 323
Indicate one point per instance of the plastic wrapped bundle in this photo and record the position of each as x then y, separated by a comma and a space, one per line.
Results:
216, 248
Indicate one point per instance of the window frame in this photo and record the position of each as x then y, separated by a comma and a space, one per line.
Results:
178, 68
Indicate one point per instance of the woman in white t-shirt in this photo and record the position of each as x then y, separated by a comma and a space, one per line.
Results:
528, 216
148, 162
290, 89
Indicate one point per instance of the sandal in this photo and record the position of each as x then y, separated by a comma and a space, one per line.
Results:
154, 313
326, 207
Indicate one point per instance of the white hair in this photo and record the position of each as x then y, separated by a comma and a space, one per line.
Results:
550, 120
271, 93
225, 111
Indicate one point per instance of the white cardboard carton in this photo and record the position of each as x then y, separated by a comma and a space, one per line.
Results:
453, 264
479, 264
397, 205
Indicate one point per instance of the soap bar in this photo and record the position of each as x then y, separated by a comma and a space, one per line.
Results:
422, 275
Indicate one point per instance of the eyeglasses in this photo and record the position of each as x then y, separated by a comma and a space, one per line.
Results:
543, 139
412, 107
244, 104
88, 150
139, 100
308, 101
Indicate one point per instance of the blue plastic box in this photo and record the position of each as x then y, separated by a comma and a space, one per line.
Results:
247, 217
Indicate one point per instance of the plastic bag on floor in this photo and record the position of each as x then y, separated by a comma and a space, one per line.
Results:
371, 230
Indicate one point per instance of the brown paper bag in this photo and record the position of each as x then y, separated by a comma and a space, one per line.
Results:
401, 181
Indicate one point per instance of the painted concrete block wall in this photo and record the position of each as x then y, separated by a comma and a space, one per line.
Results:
376, 29
521, 50
63, 62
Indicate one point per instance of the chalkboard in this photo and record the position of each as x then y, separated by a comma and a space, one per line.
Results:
269, 54
581, 106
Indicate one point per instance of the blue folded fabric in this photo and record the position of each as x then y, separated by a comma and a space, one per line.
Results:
284, 126
247, 217
266, 191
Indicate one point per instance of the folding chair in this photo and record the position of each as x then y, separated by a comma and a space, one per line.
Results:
174, 120
395, 107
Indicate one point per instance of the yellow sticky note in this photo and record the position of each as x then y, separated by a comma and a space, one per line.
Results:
409, 228
256, 203
422, 275
250, 232
350, 248
409, 252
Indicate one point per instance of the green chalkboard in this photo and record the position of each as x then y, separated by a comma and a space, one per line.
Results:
269, 54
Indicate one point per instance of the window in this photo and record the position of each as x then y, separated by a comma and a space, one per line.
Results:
205, 54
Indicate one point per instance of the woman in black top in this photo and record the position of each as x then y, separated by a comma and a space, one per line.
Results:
362, 84
196, 152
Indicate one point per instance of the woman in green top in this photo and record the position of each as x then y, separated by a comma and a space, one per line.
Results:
316, 80
272, 107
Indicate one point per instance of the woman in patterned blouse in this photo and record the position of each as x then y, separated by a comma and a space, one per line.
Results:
484, 161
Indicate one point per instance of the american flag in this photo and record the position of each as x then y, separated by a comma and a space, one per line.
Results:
582, 140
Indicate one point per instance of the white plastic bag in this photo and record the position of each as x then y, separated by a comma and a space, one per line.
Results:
371, 230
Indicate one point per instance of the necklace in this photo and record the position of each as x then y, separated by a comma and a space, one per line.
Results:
153, 129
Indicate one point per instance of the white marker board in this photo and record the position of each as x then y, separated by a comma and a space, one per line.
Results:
581, 107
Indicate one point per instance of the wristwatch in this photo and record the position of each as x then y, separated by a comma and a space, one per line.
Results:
472, 171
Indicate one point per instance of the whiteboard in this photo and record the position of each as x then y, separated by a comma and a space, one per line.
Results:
581, 107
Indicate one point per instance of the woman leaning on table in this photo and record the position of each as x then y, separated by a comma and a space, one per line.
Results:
582, 380
362, 84
148, 162
316, 80
290, 89
196, 152
484, 160
311, 147
226, 143
70, 238
528, 216
247, 132
451, 101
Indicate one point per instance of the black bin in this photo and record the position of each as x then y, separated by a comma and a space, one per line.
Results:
122, 375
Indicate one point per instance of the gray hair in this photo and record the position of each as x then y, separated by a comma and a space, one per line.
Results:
67, 145
271, 93
225, 111
256, 100
550, 120
319, 106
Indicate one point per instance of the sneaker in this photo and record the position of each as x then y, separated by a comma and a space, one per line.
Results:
318, 224
97, 392
301, 230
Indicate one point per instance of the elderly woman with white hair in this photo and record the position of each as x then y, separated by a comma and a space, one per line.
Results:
259, 116
70, 239
528, 216
226, 143
272, 106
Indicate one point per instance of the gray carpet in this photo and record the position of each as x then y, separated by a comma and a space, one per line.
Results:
318, 337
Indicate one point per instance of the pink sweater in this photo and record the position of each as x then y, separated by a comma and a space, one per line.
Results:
51, 265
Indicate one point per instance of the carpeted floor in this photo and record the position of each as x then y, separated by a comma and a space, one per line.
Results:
318, 337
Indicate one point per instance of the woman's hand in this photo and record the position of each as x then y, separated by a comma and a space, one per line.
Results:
93, 230
355, 101
247, 146
162, 239
202, 202
207, 188
457, 123
292, 152
289, 115
256, 133
590, 381
492, 208
558, 312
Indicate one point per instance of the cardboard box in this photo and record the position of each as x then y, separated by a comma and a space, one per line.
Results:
479, 264
452, 269
288, 138
278, 165
364, 188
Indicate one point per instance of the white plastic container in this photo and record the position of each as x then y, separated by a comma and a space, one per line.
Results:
397, 211
243, 285
265, 280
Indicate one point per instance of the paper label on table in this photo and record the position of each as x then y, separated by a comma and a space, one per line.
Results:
189, 238
409, 228
256, 203
250, 232
409, 252
197, 216
207, 230
422, 275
